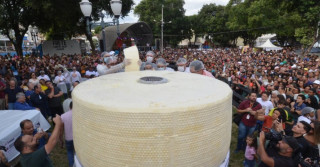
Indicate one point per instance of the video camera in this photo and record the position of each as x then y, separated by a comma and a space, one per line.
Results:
273, 135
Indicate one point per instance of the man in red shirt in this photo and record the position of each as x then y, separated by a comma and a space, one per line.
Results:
248, 109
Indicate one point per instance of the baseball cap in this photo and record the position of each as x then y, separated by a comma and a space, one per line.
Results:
293, 143
316, 82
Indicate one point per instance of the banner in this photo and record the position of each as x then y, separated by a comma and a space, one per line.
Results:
60, 47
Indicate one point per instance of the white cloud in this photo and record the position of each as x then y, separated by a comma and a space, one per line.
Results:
192, 7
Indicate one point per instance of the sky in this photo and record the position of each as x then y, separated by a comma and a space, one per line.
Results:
192, 7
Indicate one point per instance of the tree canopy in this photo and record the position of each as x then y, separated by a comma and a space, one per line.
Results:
59, 19
176, 25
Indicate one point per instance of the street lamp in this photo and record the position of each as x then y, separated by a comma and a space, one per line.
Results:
34, 34
103, 33
86, 9
116, 6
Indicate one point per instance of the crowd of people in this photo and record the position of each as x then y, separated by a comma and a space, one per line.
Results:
282, 91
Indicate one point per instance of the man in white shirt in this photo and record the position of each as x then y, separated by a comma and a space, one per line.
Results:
91, 72
265, 103
75, 75
43, 76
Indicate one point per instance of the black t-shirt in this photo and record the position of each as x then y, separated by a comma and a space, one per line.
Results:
54, 101
305, 146
12, 94
279, 160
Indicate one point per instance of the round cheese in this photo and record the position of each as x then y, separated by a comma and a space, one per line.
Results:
152, 118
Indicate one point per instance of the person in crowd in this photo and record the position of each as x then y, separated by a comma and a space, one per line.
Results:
40, 100
300, 130
288, 147
43, 85
281, 105
74, 84
60, 81
54, 99
31, 156
75, 75
307, 114
148, 66
33, 79
277, 115
197, 67
2, 95
21, 103
265, 103
68, 133
297, 107
27, 128
90, 73
248, 109
182, 65
312, 102
107, 68
162, 65
312, 151
43, 76
29, 92
10, 94
251, 150
150, 55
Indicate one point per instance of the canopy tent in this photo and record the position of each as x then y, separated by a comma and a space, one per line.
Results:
139, 32
261, 40
269, 46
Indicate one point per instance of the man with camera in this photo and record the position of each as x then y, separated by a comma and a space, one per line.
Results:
31, 156
283, 155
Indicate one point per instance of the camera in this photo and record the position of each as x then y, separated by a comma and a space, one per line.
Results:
273, 135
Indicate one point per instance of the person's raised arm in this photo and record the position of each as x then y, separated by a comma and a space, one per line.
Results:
262, 152
55, 134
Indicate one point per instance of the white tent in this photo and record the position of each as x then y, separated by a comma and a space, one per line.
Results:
261, 40
269, 46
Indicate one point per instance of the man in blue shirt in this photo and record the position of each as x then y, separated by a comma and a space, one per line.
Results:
297, 107
21, 103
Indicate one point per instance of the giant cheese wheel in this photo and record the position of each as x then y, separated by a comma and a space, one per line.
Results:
168, 119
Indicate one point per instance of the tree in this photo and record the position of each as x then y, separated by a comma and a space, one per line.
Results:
238, 21
307, 31
16, 16
149, 11
211, 20
59, 19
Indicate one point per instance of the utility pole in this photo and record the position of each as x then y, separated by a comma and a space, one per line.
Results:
162, 24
